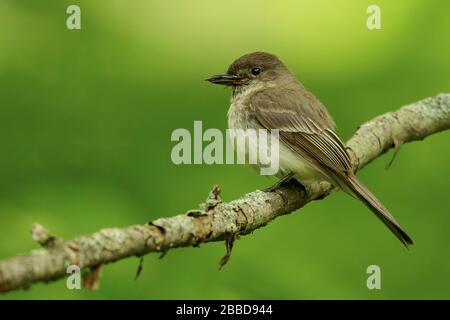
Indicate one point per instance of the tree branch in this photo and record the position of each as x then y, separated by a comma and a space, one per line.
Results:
217, 220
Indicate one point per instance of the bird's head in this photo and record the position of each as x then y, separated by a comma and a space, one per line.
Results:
251, 69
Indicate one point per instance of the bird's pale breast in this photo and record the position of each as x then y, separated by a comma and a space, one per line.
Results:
241, 115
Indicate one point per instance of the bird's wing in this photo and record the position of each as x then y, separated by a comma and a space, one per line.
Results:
304, 125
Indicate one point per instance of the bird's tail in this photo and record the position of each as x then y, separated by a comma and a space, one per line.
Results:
362, 193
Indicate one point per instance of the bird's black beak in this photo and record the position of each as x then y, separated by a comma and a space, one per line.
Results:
226, 79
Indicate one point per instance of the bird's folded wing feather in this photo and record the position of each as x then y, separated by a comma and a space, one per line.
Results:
305, 126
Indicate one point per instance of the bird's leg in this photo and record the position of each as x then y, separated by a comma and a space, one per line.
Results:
280, 182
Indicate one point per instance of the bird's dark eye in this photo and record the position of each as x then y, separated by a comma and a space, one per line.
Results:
256, 71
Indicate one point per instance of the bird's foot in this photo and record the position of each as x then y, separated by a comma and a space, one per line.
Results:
287, 179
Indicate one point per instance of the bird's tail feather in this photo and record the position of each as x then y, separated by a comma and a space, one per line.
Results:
362, 193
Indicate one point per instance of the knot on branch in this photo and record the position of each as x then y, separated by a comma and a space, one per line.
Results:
44, 238
214, 198
51, 242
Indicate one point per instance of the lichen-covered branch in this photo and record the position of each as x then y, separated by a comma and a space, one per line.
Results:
216, 220
410, 123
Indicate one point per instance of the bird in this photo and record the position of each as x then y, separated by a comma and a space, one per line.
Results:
266, 95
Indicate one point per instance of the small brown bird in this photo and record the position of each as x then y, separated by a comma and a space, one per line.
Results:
266, 95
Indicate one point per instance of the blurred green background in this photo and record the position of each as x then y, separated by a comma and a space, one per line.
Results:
86, 117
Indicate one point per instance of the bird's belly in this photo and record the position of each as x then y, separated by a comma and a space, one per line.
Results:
290, 161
